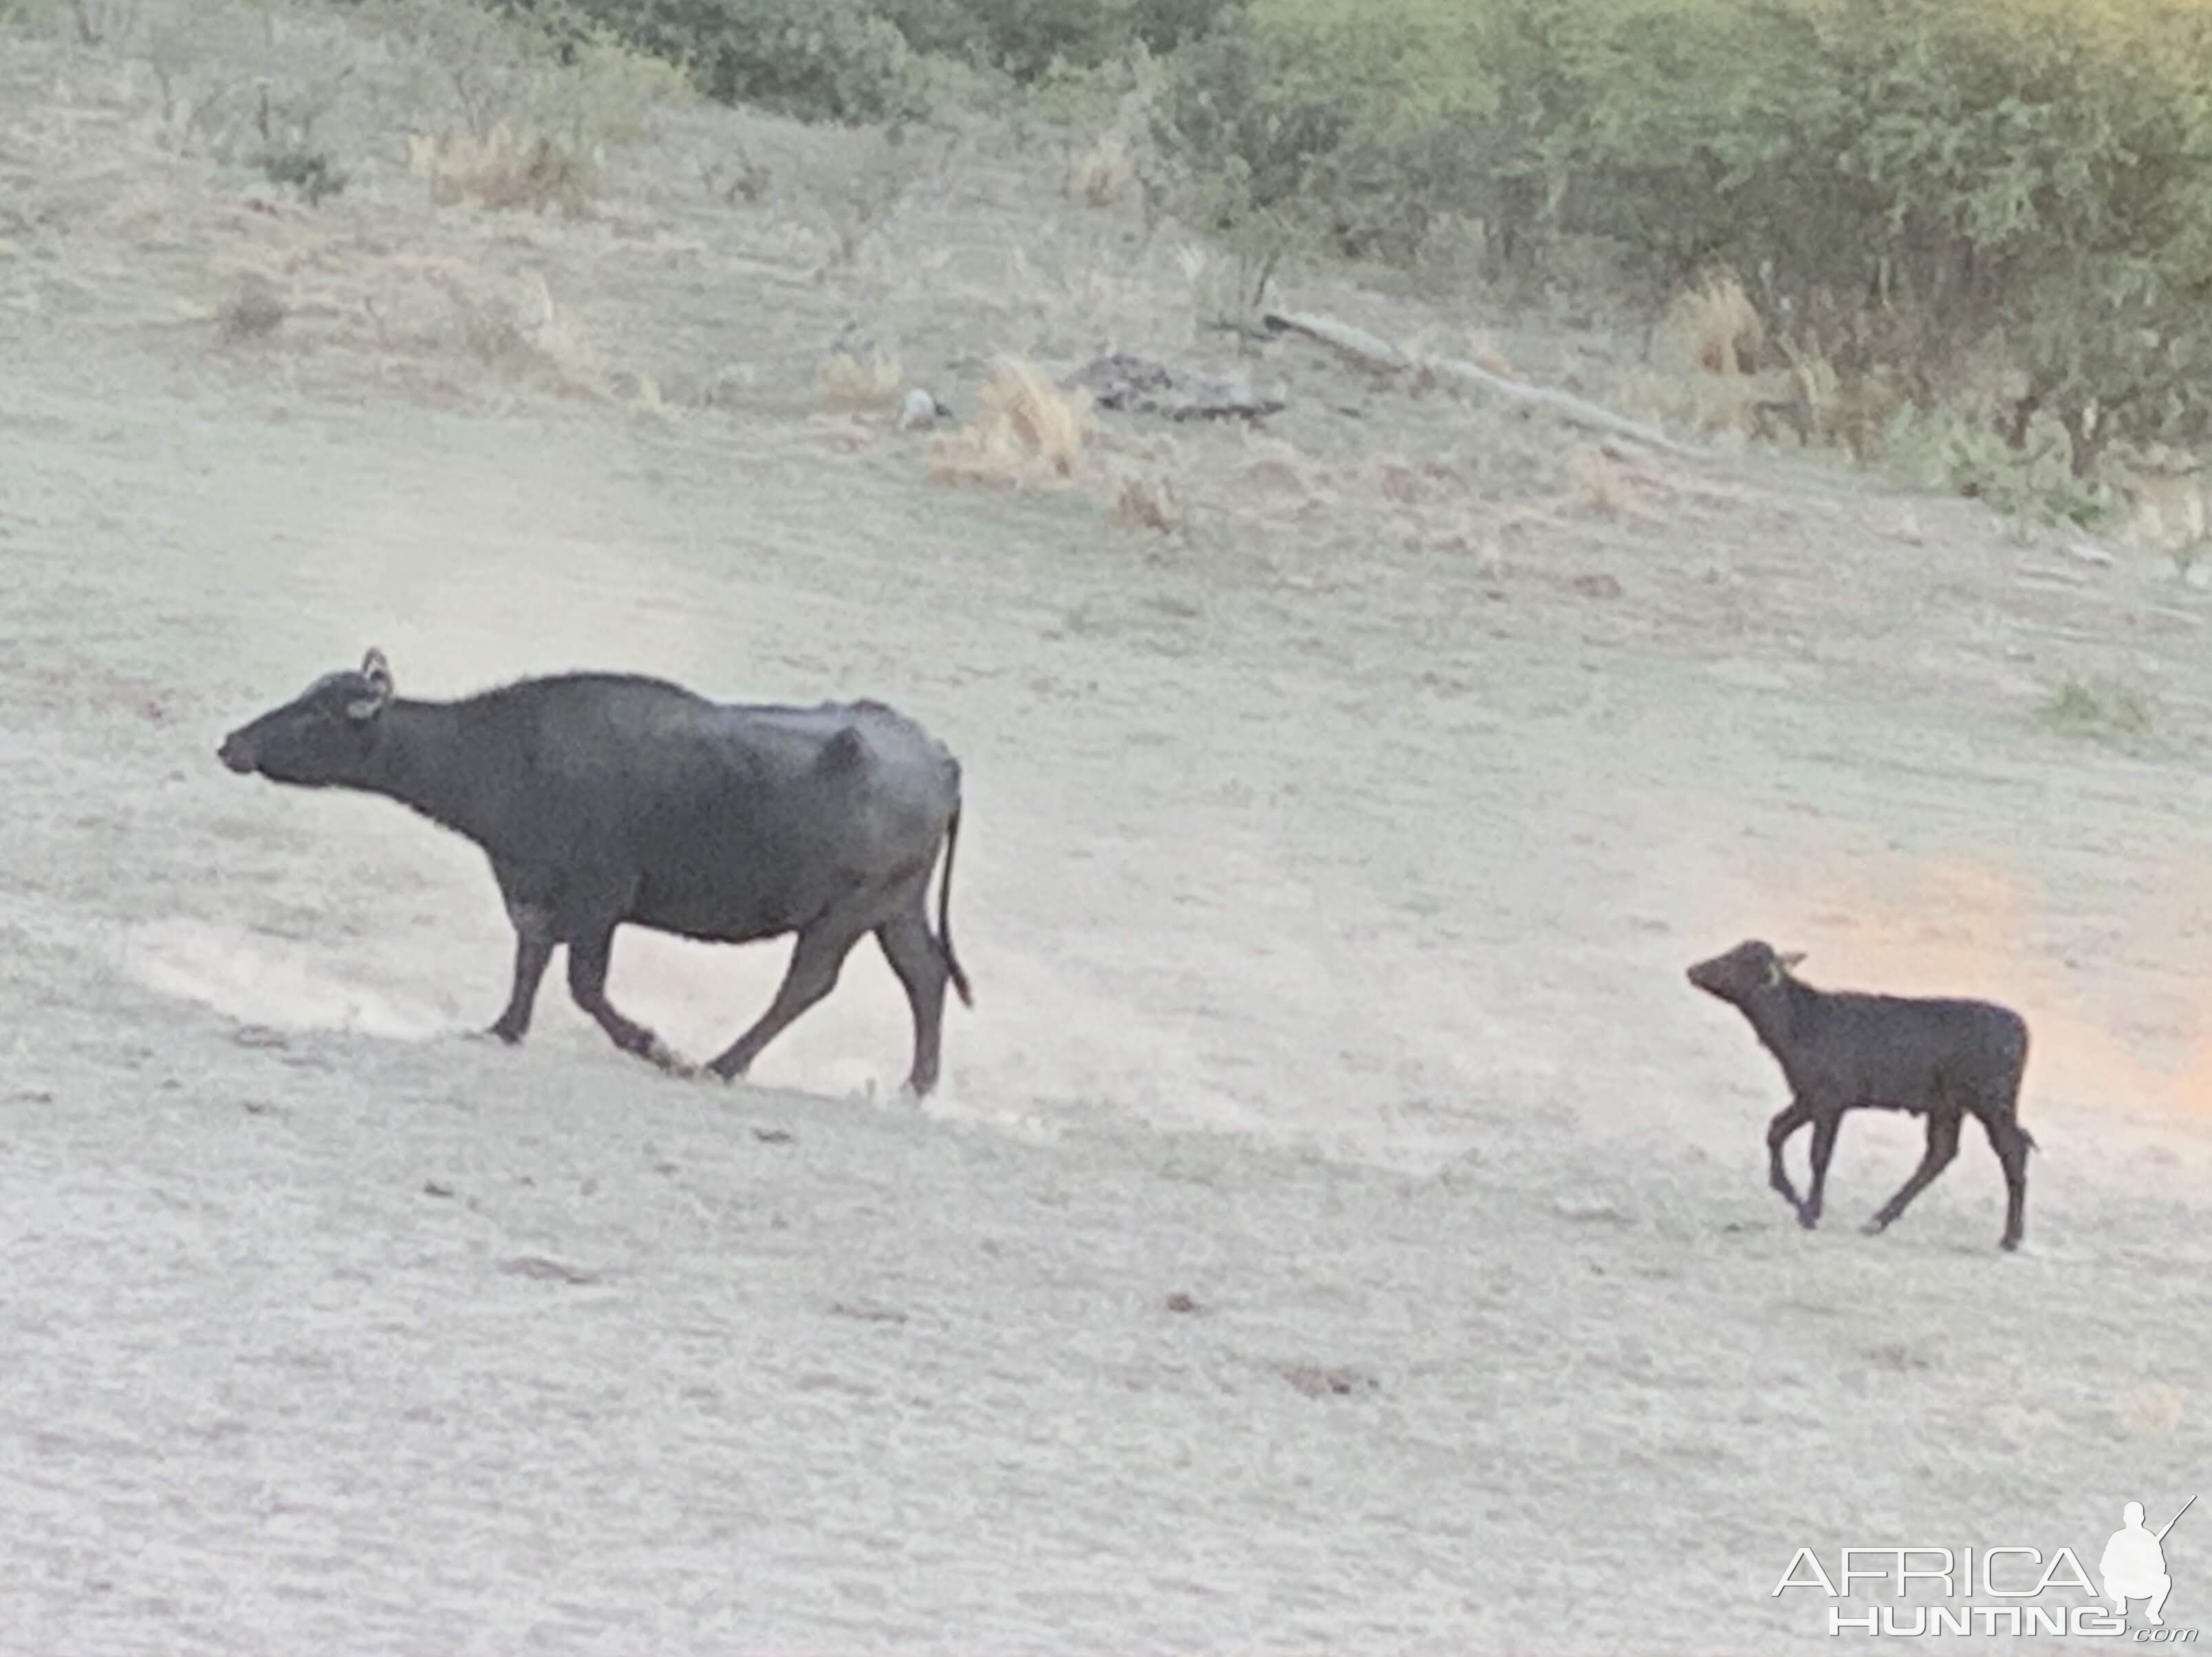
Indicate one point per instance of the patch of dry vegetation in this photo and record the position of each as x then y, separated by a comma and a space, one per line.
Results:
1716, 325
1025, 429
849, 381
501, 170
1103, 174
1147, 503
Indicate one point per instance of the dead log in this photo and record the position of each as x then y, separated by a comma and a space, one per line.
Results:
1364, 350
1379, 356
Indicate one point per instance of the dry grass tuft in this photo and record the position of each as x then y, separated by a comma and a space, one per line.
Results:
1279, 480
503, 170
1613, 484
1103, 174
1717, 325
1147, 504
1406, 484
1025, 428
1485, 352
849, 383
2152, 1410
518, 329
2168, 508
253, 309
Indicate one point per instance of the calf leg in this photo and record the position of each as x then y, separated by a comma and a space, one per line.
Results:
816, 960
1787, 1122
912, 950
533, 950
1942, 1146
2011, 1147
589, 957
1824, 1147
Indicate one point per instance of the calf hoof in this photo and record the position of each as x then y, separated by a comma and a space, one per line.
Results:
1808, 1219
501, 1033
2008, 1244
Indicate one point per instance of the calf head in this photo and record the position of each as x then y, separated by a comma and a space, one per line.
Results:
1743, 972
320, 736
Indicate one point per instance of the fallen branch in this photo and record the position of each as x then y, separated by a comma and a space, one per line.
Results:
1573, 410
1365, 349
1379, 355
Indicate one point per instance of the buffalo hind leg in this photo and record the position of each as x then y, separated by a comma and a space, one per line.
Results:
912, 950
2010, 1143
816, 960
1942, 1146
533, 950
1787, 1121
1824, 1148
589, 957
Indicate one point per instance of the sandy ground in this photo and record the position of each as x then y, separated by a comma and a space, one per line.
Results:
1327, 890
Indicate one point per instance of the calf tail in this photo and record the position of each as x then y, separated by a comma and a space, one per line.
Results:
944, 913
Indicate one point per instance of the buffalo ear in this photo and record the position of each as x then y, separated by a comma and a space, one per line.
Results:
1795, 958
377, 672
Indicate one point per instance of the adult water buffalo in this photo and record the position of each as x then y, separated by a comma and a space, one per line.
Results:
607, 797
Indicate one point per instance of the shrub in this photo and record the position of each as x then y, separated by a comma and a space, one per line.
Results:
1920, 188
530, 98
863, 59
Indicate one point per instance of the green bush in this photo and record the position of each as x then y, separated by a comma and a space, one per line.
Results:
860, 59
839, 59
1945, 182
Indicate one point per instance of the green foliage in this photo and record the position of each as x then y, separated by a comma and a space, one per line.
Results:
542, 70
1283, 135
308, 170
1026, 39
839, 59
1943, 183
867, 59
2104, 710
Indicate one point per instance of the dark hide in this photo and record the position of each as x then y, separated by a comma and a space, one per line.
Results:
605, 798
1841, 1050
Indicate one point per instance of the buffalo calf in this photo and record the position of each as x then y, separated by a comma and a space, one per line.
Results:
602, 799
1841, 1050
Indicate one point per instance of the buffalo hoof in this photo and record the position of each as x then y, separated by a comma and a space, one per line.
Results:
659, 1053
2008, 1244
1873, 1227
1807, 1219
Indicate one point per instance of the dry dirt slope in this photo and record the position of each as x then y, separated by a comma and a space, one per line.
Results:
1327, 903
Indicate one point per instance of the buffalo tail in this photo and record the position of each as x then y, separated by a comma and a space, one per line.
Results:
944, 913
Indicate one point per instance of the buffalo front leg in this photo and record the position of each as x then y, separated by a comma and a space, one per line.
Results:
911, 948
1787, 1122
589, 958
533, 950
1942, 1146
816, 960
